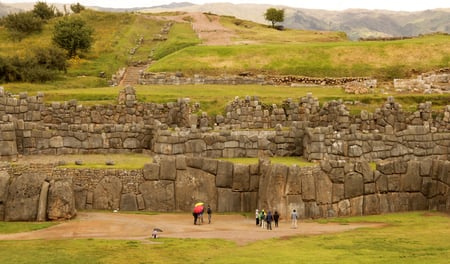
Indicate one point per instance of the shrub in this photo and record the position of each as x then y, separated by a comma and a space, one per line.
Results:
22, 24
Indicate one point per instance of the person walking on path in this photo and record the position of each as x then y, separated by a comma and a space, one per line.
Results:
294, 218
276, 216
209, 211
269, 219
257, 216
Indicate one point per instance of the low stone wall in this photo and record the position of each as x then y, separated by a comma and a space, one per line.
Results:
178, 78
331, 189
431, 82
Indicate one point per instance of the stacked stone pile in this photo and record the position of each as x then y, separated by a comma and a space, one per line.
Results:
431, 82
297, 80
161, 78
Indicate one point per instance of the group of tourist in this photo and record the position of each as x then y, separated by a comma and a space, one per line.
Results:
198, 216
264, 220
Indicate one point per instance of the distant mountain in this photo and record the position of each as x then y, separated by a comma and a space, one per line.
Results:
356, 23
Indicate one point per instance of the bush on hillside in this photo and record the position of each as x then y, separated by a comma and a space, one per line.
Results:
41, 65
44, 11
22, 24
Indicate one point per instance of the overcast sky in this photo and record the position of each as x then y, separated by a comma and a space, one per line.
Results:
396, 5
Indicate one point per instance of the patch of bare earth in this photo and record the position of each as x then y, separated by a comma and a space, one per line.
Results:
208, 28
237, 228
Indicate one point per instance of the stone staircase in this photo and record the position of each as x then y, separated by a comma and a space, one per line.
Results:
132, 73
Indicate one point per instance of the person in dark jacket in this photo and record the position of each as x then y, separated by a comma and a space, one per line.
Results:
269, 219
276, 216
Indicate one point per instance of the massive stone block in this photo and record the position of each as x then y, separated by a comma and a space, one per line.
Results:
324, 188
168, 169
224, 177
107, 193
192, 186
353, 185
4, 184
61, 200
241, 178
128, 202
411, 181
159, 196
228, 201
151, 171
23, 197
293, 181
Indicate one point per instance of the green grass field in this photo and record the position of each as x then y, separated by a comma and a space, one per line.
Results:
415, 237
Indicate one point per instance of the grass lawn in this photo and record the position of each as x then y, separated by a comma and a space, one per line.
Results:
414, 237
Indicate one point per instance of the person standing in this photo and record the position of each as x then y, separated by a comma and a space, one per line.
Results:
209, 211
195, 217
257, 216
262, 219
276, 216
294, 218
269, 219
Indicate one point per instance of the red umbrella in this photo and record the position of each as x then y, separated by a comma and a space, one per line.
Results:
198, 209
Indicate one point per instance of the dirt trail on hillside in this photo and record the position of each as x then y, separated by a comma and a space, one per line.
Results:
208, 27
125, 226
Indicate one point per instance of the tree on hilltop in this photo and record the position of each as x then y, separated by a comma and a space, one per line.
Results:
274, 15
77, 8
44, 11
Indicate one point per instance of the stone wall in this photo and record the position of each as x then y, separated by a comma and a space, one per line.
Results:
176, 183
249, 128
178, 78
431, 82
228, 143
29, 126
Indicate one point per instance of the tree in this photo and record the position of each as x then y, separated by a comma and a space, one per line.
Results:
73, 34
44, 11
77, 8
274, 15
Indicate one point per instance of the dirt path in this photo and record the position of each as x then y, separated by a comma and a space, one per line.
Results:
139, 227
208, 27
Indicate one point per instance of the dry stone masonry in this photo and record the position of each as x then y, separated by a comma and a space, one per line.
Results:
410, 150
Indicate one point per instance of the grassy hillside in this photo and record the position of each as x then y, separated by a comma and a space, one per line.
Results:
382, 60
264, 50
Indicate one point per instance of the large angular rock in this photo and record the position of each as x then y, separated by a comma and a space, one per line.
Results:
228, 201
224, 177
324, 188
411, 181
168, 169
158, 196
61, 200
4, 184
107, 193
354, 185
128, 202
293, 181
241, 178
23, 197
194, 186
